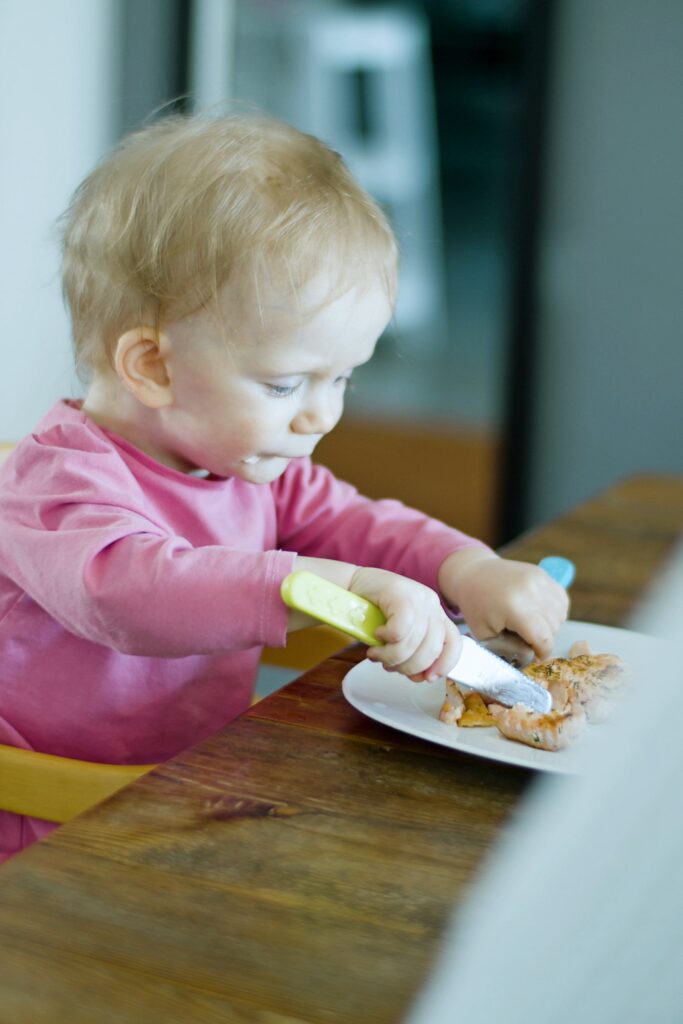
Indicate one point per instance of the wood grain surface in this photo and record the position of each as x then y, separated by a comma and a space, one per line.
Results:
300, 865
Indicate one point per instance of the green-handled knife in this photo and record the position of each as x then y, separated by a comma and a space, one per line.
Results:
476, 667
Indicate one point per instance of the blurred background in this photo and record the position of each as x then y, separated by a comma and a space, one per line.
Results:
530, 155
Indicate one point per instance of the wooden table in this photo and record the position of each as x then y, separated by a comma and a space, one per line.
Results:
301, 864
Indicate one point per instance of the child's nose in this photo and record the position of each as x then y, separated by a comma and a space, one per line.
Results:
318, 416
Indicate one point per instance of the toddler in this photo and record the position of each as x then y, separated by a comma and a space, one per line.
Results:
224, 278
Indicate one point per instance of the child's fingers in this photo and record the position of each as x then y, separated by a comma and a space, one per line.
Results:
406, 620
397, 646
413, 634
409, 625
437, 654
555, 603
425, 654
449, 655
415, 651
536, 629
406, 658
399, 629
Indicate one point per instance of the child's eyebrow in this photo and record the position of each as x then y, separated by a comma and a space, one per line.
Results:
291, 375
309, 372
287, 374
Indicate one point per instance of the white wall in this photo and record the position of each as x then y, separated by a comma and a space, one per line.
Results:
58, 67
609, 399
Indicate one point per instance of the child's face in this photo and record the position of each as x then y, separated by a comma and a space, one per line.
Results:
248, 408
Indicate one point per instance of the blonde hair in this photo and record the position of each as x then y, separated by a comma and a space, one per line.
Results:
188, 203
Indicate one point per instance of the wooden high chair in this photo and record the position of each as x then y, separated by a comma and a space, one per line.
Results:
58, 788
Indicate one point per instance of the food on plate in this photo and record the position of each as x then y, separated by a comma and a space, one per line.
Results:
453, 705
592, 681
476, 712
553, 731
583, 687
464, 707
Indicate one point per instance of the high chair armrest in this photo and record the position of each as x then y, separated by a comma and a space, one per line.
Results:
58, 788
306, 648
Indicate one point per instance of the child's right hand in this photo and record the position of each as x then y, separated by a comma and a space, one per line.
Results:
419, 640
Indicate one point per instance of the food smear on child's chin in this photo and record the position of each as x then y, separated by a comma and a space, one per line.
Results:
263, 469
266, 462
257, 460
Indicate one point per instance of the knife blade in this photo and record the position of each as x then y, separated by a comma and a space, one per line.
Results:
476, 667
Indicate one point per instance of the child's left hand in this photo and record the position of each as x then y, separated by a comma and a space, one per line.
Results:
495, 593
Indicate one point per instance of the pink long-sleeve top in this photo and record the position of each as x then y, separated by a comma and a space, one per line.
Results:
135, 599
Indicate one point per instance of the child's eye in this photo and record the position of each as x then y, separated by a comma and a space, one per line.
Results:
282, 390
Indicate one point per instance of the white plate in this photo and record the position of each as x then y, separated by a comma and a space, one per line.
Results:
414, 707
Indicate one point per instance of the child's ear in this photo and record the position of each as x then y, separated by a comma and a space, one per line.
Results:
140, 362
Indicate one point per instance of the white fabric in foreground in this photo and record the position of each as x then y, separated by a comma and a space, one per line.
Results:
578, 916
